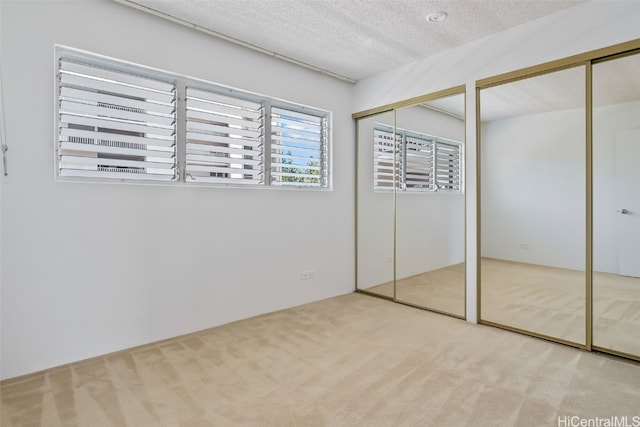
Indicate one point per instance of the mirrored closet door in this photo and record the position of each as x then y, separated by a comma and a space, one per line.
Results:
533, 206
377, 175
559, 205
410, 203
430, 206
616, 205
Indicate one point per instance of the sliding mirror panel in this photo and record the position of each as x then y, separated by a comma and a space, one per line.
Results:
532, 197
616, 205
430, 205
377, 172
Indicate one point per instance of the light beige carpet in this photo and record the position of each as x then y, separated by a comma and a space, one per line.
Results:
551, 301
540, 299
616, 312
441, 290
544, 300
353, 360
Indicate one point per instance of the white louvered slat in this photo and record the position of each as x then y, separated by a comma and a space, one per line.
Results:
105, 149
299, 168
113, 88
111, 125
223, 168
107, 162
195, 139
159, 108
292, 133
210, 116
128, 77
294, 150
245, 180
199, 159
120, 113
69, 134
221, 128
208, 150
115, 174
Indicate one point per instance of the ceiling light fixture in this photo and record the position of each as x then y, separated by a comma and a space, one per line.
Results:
436, 17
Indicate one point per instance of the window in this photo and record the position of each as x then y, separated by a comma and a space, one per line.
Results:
125, 122
298, 148
115, 125
224, 139
415, 161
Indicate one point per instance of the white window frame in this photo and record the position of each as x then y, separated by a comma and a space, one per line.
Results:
434, 159
204, 153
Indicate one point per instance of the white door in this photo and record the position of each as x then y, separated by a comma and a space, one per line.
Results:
628, 202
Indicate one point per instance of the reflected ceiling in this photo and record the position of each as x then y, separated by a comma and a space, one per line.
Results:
563, 90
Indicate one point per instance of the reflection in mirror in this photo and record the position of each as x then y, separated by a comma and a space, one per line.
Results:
430, 205
533, 217
375, 204
616, 205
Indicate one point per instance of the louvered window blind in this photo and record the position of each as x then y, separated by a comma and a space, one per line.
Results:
115, 125
120, 121
417, 161
298, 148
225, 139
386, 159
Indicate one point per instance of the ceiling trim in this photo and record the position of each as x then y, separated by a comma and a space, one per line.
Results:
559, 64
235, 41
456, 90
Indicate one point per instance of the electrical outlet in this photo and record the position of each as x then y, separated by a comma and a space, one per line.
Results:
389, 260
524, 245
307, 275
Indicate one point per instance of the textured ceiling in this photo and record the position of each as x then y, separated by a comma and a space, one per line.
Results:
352, 39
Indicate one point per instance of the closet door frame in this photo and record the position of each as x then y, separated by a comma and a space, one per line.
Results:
587, 60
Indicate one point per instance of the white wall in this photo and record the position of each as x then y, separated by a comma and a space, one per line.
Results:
88, 269
2, 178
587, 26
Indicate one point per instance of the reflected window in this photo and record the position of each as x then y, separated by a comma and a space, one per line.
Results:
415, 161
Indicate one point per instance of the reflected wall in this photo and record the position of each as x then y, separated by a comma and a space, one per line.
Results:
375, 206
